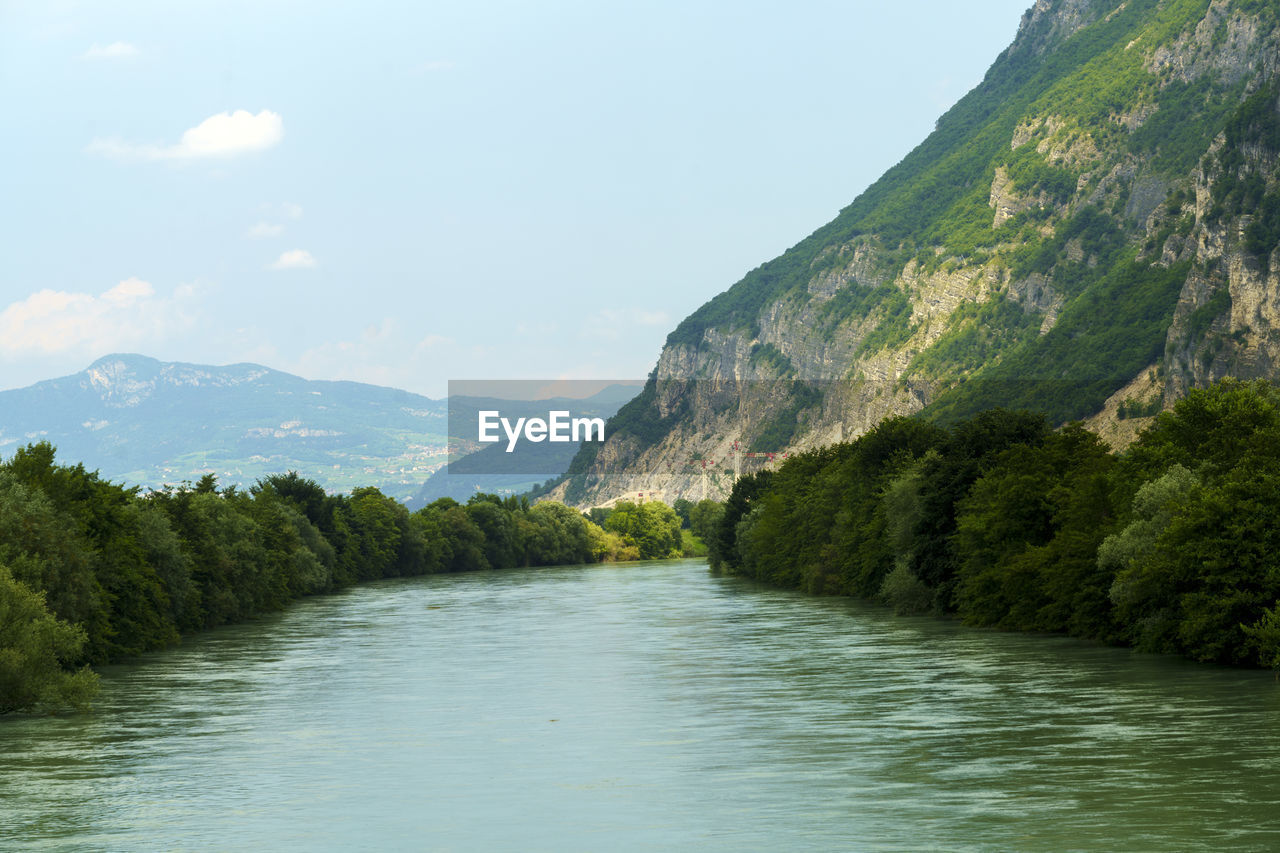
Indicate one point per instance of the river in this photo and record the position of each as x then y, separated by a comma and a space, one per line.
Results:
651, 706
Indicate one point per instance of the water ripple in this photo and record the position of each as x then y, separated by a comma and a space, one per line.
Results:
649, 706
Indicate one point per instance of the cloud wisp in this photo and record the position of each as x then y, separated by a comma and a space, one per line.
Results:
59, 321
219, 136
294, 259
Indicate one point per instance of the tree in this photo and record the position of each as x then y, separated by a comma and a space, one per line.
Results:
497, 527
35, 648
704, 518
967, 452
653, 528
1027, 536
722, 547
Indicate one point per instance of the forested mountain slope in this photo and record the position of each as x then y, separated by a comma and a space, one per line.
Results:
1091, 232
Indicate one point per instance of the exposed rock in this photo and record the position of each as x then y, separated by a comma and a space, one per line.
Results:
1036, 294
836, 330
1051, 22
1009, 202
1226, 43
1145, 391
1146, 194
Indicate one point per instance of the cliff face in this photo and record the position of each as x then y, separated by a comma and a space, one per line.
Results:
1092, 231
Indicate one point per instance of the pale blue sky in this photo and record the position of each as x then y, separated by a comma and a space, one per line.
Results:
404, 193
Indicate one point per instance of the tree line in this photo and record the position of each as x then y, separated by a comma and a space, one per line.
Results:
93, 571
1172, 546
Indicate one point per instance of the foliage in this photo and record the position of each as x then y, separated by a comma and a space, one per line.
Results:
1202, 318
1031, 174
92, 572
638, 422
770, 355
704, 518
1262, 237
1099, 237
691, 545
651, 527
35, 648
784, 420
1131, 408
1170, 547
935, 194
1101, 340
1187, 117
895, 325
976, 335
1027, 535
854, 300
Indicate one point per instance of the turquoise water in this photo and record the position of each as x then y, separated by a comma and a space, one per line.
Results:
651, 706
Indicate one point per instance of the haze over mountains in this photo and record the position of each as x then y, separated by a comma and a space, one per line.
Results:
1090, 232
145, 422
491, 468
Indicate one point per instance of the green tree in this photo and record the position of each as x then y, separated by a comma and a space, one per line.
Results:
35, 651
652, 527
1027, 535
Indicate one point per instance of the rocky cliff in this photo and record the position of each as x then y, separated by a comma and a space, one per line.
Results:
1091, 231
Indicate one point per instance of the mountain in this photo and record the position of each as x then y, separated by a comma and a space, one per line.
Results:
146, 422
1091, 231
492, 469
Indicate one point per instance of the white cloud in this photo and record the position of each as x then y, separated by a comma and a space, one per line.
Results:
127, 315
294, 259
291, 210
263, 230
221, 135
115, 50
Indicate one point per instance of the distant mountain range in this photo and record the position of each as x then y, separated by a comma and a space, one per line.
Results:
490, 469
145, 422
150, 423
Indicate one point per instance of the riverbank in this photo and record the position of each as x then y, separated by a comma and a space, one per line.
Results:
93, 572
1004, 522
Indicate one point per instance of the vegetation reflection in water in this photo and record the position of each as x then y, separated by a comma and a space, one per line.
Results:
639, 707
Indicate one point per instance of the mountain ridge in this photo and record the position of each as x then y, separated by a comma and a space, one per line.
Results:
144, 421
1090, 231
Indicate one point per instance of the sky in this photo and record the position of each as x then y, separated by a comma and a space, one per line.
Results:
407, 193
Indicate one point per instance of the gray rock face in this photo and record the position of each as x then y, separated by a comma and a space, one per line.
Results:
124, 381
1227, 44
1048, 23
878, 326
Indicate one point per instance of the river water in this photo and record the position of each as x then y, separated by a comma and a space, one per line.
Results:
651, 706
